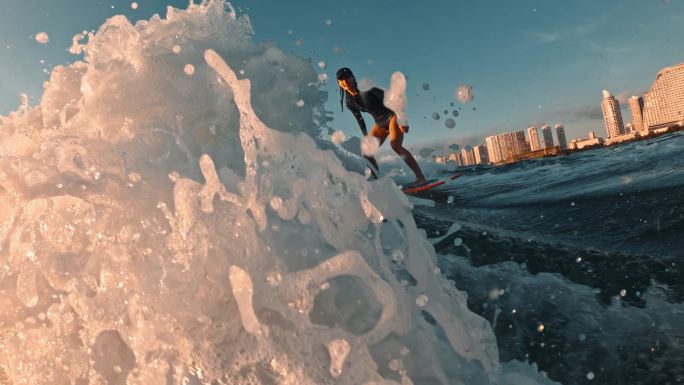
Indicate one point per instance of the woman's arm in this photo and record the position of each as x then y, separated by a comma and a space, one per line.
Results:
359, 119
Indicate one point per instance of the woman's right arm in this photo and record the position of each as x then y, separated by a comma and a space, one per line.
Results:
359, 119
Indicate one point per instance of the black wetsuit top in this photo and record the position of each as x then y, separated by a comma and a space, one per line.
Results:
370, 101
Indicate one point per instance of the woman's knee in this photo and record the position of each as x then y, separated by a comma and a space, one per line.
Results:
397, 146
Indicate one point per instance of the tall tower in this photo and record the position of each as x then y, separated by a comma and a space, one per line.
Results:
612, 117
560, 134
664, 101
547, 136
636, 105
468, 156
494, 148
533, 136
481, 154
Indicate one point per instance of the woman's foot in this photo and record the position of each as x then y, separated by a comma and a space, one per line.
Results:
418, 182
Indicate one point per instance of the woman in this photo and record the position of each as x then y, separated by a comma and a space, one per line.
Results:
386, 124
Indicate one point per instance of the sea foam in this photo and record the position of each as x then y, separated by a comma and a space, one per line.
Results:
160, 228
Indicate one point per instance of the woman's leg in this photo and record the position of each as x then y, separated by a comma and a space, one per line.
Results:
396, 140
381, 134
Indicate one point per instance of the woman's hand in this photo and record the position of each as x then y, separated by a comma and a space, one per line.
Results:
404, 129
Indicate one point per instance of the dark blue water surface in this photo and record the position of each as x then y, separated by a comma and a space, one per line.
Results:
627, 198
590, 245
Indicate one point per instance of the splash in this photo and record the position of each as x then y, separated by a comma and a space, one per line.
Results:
464, 93
395, 98
42, 38
159, 228
338, 137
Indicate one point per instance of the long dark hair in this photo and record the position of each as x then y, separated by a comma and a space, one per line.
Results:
343, 73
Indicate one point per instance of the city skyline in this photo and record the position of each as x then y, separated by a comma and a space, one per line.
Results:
659, 111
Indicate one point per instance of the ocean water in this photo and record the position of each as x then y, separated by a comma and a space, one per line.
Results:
590, 245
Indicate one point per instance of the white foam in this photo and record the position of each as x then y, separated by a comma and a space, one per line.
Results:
169, 231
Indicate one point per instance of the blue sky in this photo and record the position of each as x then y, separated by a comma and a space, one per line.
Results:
528, 61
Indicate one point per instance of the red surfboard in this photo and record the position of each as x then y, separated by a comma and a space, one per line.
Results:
409, 189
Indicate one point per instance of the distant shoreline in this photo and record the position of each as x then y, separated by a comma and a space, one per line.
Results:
557, 151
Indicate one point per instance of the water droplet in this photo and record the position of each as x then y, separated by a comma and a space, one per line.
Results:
422, 300
42, 38
339, 350
395, 365
338, 137
397, 255
464, 93
274, 278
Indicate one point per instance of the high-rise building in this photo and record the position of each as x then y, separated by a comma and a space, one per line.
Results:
481, 154
468, 156
560, 134
664, 101
547, 136
520, 143
533, 136
505, 146
494, 149
456, 157
636, 105
612, 117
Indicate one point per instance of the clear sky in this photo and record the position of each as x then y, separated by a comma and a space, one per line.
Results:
528, 61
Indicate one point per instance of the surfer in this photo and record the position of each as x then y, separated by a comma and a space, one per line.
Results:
386, 124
